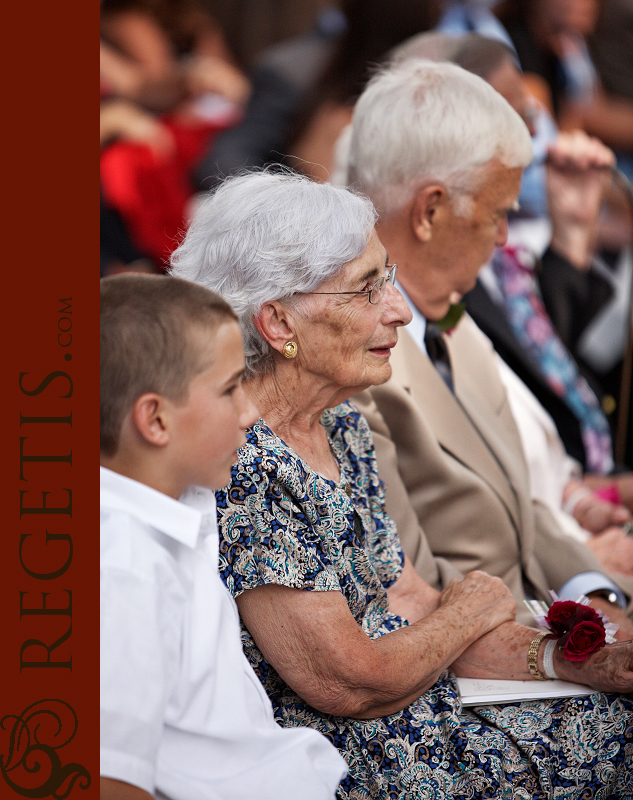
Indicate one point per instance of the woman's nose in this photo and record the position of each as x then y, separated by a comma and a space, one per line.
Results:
396, 310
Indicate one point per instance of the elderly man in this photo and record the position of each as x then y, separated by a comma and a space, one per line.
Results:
441, 154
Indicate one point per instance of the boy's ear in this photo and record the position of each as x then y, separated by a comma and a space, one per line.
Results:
274, 324
424, 210
150, 417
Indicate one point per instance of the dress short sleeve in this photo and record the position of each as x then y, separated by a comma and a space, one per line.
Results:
274, 521
280, 522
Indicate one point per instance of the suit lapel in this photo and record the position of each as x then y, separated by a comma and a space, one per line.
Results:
452, 420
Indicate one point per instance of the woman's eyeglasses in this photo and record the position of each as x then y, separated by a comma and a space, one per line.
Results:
374, 292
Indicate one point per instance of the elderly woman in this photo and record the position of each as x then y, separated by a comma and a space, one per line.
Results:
343, 633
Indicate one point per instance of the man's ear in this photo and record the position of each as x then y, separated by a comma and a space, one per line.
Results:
424, 210
150, 417
274, 324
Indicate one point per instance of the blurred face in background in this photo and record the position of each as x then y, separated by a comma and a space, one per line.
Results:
508, 81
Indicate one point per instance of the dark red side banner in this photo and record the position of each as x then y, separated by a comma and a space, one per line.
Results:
49, 598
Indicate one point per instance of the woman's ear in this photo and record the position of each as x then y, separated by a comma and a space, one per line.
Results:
150, 416
424, 210
275, 325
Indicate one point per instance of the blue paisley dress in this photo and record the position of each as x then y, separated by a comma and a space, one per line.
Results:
282, 523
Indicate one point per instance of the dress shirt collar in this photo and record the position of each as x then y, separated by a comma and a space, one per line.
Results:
417, 327
172, 517
490, 283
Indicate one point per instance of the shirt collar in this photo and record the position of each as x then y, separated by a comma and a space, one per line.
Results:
417, 327
489, 281
175, 518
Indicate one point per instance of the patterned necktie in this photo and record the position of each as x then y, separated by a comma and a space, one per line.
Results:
438, 353
534, 329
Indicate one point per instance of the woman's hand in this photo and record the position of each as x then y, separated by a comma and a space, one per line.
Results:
592, 512
614, 549
599, 515
485, 601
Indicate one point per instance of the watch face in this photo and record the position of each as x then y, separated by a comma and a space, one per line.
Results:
609, 596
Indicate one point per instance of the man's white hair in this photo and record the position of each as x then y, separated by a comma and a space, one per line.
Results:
421, 122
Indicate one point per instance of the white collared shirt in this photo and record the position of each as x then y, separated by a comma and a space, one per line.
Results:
182, 711
417, 327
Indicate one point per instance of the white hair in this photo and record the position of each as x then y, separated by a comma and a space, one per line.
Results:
419, 122
267, 235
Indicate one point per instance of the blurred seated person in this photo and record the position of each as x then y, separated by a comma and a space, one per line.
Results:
121, 119
442, 425
169, 59
373, 28
176, 46
305, 87
550, 37
281, 76
342, 632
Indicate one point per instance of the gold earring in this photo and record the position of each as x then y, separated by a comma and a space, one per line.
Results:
290, 350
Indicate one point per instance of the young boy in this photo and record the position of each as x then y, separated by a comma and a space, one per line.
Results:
183, 715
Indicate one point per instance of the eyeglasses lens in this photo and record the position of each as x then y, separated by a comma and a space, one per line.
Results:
376, 290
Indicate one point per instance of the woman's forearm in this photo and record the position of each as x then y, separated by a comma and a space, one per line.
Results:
320, 651
500, 654
410, 596
607, 669
412, 660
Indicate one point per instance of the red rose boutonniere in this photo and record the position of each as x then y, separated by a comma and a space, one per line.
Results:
579, 628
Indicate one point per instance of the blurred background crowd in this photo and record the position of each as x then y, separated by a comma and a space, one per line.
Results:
194, 90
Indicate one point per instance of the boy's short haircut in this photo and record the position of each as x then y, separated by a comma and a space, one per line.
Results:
148, 342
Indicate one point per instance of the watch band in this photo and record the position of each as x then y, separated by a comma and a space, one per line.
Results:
532, 656
609, 595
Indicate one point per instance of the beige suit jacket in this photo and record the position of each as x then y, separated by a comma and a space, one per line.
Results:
460, 460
